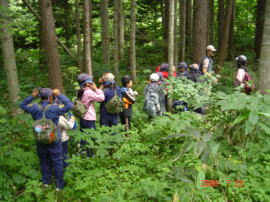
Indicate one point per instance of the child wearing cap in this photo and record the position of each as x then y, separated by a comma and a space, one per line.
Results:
129, 99
50, 155
88, 94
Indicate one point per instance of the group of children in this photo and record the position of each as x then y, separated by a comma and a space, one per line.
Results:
56, 107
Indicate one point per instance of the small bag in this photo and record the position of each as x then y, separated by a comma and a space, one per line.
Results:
79, 108
45, 129
115, 105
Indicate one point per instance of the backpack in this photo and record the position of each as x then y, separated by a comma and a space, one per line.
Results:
247, 78
79, 108
115, 105
44, 129
152, 104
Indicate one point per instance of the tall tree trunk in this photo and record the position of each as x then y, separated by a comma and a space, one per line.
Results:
223, 50
165, 29
121, 29
78, 34
264, 61
67, 22
87, 67
260, 12
133, 40
9, 58
211, 22
50, 41
175, 31
171, 36
182, 30
91, 29
105, 32
43, 61
200, 29
221, 15
189, 26
116, 37
231, 35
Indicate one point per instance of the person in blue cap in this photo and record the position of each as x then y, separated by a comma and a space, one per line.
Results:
182, 70
50, 155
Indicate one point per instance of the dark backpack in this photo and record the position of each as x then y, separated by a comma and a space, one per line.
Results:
115, 105
152, 104
45, 129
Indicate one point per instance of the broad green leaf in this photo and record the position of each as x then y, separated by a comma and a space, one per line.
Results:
253, 118
265, 128
200, 178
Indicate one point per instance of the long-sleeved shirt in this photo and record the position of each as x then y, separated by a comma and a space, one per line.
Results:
65, 125
88, 99
53, 112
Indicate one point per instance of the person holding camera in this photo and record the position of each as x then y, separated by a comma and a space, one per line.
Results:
49, 144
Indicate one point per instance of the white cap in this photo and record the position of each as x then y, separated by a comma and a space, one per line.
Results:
211, 48
154, 77
109, 77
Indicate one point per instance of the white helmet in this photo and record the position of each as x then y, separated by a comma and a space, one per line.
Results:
154, 77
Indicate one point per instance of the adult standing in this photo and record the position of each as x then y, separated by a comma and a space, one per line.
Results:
206, 65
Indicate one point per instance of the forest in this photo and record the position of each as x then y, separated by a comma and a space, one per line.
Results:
221, 153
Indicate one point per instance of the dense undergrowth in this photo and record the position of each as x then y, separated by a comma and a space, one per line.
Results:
221, 156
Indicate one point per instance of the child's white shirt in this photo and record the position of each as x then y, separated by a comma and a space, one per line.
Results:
66, 125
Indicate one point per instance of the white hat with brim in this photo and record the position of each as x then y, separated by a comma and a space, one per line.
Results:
211, 48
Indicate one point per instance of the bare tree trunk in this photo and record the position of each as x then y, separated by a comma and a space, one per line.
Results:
116, 37
221, 15
231, 35
78, 34
50, 41
223, 50
87, 67
43, 61
9, 58
121, 29
264, 61
211, 22
175, 31
67, 22
260, 12
66, 49
189, 24
171, 36
200, 29
133, 40
165, 29
182, 29
91, 31
105, 32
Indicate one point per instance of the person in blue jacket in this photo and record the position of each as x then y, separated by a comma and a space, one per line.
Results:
50, 155
109, 88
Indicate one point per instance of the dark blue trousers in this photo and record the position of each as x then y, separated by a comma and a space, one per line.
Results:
86, 124
51, 159
108, 119
65, 153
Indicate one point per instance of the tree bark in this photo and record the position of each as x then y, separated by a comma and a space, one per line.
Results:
121, 29
221, 15
165, 29
223, 50
91, 30
50, 41
182, 29
171, 36
175, 31
189, 24
87, 67
9, 58
260, 12
67, 23
211, 21
264, 61
133, 40
116, 37
231, 35
78, 34
105, 32
200, 29
66, 49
